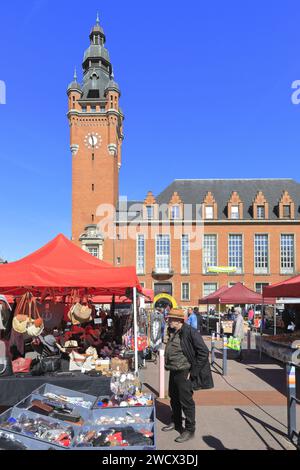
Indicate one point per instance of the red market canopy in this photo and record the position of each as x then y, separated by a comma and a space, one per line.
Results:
213, 298
61, 266
237, 294
108, 299
288, 288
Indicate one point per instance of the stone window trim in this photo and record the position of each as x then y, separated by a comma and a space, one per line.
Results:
209, 201
260, 201
235, 201
286, 200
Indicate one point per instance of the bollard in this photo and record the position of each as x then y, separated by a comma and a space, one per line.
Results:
249, 339
161, 373
224, 355
213, 338
291, 399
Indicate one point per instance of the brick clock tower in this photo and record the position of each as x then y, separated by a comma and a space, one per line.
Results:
96, 137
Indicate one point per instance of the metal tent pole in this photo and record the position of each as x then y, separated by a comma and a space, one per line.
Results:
136, 360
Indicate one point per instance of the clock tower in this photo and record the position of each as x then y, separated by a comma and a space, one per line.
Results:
96, 137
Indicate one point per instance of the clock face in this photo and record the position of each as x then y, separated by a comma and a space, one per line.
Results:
92, 140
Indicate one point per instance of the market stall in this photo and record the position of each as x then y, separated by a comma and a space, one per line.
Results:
235, 295
285, 346
62, 274
56, 418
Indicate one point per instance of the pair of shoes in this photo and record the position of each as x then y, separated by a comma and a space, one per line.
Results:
185, 436
172, 427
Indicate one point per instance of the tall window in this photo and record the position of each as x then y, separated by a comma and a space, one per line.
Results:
209, 251
140, 254
93, 250
185, 254
287, 254
163, 252
261, 254
234, 212
259, 286
261, 212
209, 212
209, 288
150, 212
235, 252
175, 212
185, 291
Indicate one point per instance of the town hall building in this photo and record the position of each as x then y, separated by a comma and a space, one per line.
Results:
193, 237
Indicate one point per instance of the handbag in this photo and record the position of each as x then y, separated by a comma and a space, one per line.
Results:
35, 326
82, 313
21, 365
46, 365
76, 361
21, 318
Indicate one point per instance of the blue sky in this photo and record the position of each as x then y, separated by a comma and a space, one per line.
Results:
206, 92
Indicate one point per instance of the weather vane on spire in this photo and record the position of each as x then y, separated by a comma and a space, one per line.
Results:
75, 75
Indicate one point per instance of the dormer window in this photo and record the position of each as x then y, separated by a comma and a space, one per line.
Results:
287, 211
261, 212
235, 207
150, 212
234, 212
175, 212
286, 206
209, 212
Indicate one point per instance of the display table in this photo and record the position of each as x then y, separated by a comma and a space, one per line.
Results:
13, 389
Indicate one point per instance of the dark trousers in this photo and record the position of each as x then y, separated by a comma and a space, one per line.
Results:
181, 395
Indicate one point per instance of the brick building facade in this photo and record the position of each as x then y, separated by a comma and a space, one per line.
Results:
177, 238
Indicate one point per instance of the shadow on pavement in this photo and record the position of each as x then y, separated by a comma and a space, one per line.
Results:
163, 413
253, 423
214, 443
274, 377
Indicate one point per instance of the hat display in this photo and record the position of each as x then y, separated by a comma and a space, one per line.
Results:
177, 313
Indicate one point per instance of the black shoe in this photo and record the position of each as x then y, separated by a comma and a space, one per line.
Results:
185, 436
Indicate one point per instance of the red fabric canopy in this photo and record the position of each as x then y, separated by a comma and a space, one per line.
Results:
213, 298
237, 294
61, 266
240, 294
288, 288
107, 299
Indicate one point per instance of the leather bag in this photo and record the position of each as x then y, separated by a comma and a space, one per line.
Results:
21, 365
82, 313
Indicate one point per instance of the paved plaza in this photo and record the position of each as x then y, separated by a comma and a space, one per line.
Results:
246, 410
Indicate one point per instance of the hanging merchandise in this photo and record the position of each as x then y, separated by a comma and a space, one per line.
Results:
20, 319
35, 325
155, 330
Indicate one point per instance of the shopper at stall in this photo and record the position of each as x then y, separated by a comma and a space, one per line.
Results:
250, 315
238, 329
195, 320
186, 356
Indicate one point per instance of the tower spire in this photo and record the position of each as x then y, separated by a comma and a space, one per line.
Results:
98, 19
75, 75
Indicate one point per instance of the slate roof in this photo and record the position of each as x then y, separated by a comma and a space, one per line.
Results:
194, 191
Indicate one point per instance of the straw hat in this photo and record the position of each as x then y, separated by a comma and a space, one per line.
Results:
177, 313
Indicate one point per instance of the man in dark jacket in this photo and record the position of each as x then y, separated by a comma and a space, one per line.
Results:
186, 357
